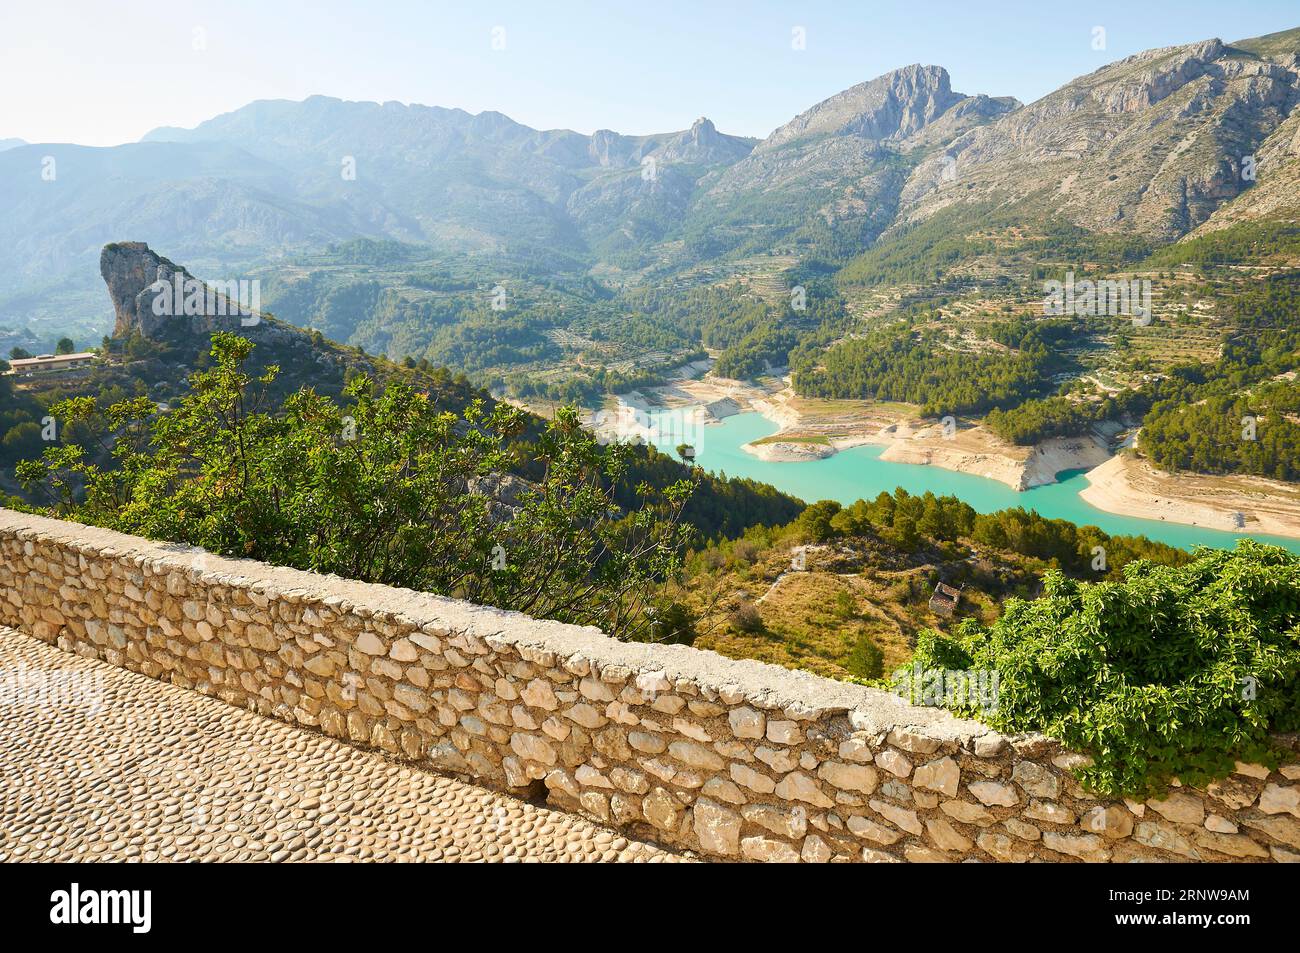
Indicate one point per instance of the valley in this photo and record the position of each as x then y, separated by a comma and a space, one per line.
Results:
1077, 317
1087, 484
806, 433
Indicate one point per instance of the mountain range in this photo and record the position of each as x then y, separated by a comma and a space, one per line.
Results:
1156, 146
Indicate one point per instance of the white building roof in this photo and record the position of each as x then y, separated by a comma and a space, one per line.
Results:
51, 359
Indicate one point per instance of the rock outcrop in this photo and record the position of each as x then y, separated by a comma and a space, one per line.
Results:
152, 296
891, 106
703, 144
128, 268
838, 164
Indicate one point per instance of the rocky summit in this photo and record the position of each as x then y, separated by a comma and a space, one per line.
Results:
1153, 144
149, 292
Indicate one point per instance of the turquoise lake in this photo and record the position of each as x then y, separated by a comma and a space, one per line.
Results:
859, 473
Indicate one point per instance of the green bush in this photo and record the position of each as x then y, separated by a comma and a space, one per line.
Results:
747, 618
382, 487
865, 660
1173, 671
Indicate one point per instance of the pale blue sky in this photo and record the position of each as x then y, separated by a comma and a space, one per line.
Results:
102, 73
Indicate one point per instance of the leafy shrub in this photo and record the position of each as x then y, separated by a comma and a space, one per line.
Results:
1173, 671
866, 660
746, 618
384, 488
845, 606
673, 622
815, 521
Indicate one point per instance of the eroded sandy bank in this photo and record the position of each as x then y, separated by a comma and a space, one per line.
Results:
978, 452
972, 450
789, 451
1130, 486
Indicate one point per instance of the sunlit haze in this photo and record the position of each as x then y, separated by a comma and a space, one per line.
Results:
102, 74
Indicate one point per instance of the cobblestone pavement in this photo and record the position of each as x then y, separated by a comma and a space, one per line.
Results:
97, 764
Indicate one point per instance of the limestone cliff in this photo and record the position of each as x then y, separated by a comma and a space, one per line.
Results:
140, 282
128, 268
1152, 144
137, 277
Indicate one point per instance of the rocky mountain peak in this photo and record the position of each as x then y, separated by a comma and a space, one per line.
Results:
702, 143
703, 127
892, 106
606, 148
1141, 81
1151, 143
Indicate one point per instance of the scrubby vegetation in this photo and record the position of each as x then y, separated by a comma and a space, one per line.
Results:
1197, 417
380, 486
910, 522
1224, 435
1173, 671
1243, 241
918, 367
1038, 419
928, 251
844, 591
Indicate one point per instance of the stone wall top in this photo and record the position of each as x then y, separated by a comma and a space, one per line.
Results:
800, 695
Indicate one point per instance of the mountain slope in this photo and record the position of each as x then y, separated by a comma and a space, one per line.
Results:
1150, 145
279, 178
482, 180
1140, 153
1273, 195
203, 199
832, 176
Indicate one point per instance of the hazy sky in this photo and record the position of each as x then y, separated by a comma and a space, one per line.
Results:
100, 72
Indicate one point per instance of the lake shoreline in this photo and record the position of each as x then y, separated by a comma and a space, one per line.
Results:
1119, 484
1101, 492
969, 449
1129, 486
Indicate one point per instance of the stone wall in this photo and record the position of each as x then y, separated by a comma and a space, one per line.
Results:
731, 759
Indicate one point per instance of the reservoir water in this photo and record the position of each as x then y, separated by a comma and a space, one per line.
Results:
859, 473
